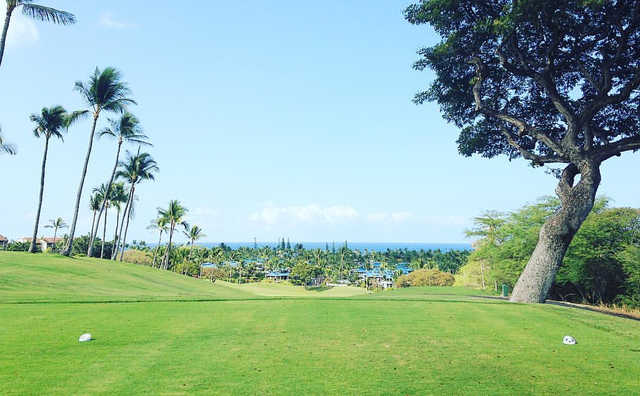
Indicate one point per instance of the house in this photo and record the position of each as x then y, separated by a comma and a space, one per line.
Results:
45, 243
278, 275
377, 275
3, 242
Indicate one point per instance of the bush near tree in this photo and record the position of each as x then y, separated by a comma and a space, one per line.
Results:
601, 264
426, 277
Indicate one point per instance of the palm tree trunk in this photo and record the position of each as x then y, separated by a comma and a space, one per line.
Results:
126, 229
106, 198
104, 232
93, 222
191, 249
68, 249
5, 29
55, 234
115, 233
124, 214
165, 260
32, 247
155, 251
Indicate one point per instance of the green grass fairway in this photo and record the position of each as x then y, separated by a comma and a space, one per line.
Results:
416, 341
287, 290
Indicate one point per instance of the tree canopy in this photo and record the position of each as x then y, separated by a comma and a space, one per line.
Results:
550, 81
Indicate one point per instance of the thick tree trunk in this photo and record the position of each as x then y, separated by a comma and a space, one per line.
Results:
104, 232
5, 30
558, 231
69, 248
128, 216
106, 198
124, 215
32, 247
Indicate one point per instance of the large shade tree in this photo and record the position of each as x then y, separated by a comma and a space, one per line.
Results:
125, 129
50, 122
106, 92
35, 11
553, 82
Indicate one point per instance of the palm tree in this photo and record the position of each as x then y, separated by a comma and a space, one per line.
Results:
160, 225
174, 214
105, 91
94, 206
135, 169
118, 198
56, 225
126, 129
35, 11
193, 234
6, 147
51, 122
101, 193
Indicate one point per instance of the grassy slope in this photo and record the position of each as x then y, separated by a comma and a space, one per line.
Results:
50, 278
417, 341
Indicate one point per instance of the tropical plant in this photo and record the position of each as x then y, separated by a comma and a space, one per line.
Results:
35, 11
6, 147
174, 213
553, 82
56, 224
160, 224
118, 198
125, 129
134, 170
193, 233
105, 91
51, 122
94, 206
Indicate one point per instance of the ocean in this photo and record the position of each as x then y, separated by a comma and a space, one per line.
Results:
371, 246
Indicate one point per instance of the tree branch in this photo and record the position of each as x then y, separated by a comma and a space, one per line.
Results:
605, 152
523, 127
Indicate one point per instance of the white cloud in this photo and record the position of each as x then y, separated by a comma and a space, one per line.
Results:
109, 21
22, 30
312, 213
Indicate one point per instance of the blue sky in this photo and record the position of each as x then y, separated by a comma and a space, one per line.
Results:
268, 119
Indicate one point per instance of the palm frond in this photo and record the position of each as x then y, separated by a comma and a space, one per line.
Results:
47, 14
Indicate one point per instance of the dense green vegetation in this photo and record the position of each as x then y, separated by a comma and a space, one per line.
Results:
404, 341
248, 264
600, 266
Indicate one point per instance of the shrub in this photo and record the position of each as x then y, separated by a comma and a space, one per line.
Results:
135, 256
426, 277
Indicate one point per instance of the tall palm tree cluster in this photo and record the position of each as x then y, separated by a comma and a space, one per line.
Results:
104, 93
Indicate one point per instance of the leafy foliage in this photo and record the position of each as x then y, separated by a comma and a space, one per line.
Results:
599, 266
426, 277
553, 82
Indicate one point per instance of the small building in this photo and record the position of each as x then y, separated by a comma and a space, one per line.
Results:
3, 242
278, 276
45, 243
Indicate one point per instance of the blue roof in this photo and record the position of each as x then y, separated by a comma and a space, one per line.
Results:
209, 265
278, 273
